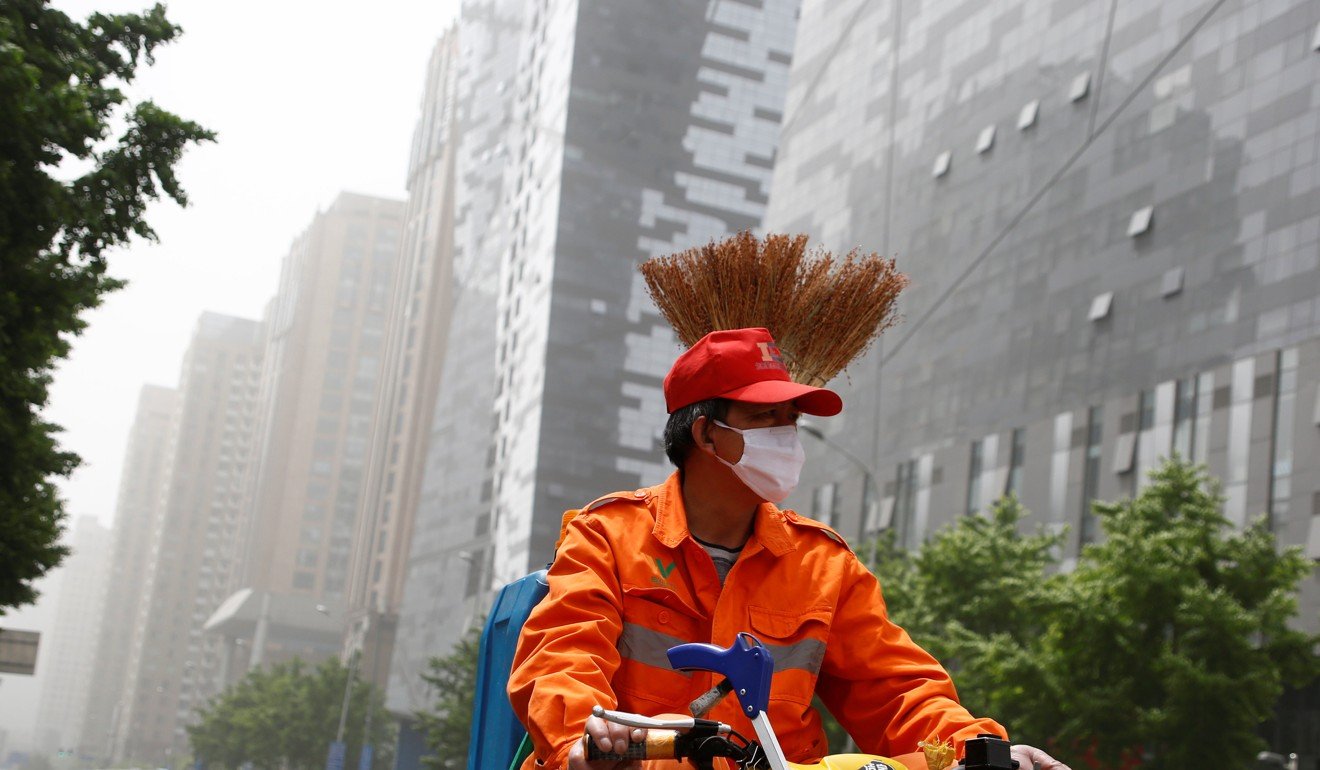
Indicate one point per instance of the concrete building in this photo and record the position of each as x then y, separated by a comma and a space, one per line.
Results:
67, 656
416, 328
1110, 212
587, 143
324, 340
172, 667
443, 582
138, 510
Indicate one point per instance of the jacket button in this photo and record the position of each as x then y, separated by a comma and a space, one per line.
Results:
639, 493
663, 617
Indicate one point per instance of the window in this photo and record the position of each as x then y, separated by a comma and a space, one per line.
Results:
1184, 417
1172, 283
476, 563
1091, 473
1139, 223
1100, 306
1059, 466
975, 467
1285, 401
304, 581
942, 162
1081, 86
986, 139
1239, 439
1027, 117
825, 503
1142, 457
1016, 459
905, 493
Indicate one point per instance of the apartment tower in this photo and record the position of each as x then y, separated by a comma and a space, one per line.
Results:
172, 667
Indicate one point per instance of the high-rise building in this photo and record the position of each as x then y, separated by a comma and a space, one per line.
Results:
141, 502
316, 400
172, 667
416, 327
443, 577
1110, 212
587, 143
67, 656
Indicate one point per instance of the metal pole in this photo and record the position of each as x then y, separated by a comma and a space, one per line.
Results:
348, 693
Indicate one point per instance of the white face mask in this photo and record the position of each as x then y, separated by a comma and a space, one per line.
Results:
771, 461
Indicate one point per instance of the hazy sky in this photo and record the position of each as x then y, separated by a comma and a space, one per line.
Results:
309, 98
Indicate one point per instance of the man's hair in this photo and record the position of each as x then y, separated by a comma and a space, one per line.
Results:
678, 431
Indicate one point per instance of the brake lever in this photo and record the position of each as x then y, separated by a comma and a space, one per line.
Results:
682, 724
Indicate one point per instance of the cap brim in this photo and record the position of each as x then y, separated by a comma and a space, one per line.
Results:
815, 401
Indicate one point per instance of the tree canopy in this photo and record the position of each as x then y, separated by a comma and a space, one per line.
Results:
448, 724
1168, 643
286, 716
69, 193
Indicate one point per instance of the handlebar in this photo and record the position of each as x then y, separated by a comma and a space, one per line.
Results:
695, 739
658, 744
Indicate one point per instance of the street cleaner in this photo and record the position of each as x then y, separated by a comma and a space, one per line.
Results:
708, 555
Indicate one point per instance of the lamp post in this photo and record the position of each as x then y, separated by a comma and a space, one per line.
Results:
334, 759
868, 480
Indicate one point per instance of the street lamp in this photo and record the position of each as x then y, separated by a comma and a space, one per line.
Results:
334, 759
868, 480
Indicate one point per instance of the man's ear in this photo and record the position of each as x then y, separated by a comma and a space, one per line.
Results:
701, 437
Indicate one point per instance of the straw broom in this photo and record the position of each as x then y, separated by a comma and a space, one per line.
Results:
823, 312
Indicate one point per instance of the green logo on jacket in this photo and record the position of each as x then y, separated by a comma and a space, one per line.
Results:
664, 571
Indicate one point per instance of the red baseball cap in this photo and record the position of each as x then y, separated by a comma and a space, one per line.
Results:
742, 365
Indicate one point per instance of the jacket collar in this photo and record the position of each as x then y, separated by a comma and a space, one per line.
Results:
671, 527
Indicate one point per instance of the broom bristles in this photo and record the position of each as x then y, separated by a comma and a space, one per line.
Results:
823, 313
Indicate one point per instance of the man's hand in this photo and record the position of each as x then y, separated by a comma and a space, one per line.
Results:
609, 737
1030, 757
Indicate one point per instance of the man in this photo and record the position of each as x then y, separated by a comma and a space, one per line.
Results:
708, 555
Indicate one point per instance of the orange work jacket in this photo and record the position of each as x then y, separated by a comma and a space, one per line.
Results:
628, 582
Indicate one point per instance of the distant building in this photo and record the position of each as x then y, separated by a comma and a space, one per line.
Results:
172, 667
324, 343
143, 483
460, 133
66, 656
1111, 216
587, 143
415, 332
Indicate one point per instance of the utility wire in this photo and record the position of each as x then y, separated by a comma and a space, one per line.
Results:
1058, 175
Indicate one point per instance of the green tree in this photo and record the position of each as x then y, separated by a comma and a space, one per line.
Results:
453, 679
978, 595
286, 716
1173, 643
1169, 643
69, 193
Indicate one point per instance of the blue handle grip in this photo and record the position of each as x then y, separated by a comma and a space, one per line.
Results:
747, 664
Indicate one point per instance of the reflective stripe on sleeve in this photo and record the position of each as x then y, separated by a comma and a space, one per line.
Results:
647, 646
806, 655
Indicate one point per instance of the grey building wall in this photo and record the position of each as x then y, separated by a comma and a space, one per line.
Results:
1106, 206
1039, 284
